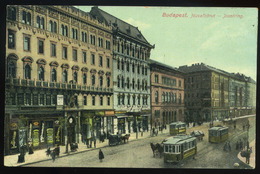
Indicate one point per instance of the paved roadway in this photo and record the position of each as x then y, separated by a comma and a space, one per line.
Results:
138, 154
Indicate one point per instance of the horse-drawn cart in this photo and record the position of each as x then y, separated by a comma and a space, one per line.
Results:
114, 140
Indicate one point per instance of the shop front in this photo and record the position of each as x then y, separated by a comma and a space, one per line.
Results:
108, 122
40, 131
87, 125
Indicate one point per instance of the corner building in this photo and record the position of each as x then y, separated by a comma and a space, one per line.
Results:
167, 94
214, 94
131, 74
59, 78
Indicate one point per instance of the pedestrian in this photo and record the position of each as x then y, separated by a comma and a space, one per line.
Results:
53, 155
248, 156
100, 155
141, 131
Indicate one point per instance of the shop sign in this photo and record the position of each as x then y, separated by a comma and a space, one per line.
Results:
36, 123
36, 137
57, 122
88, 114
13, 140
49, 135
120, 112
58, 135
99, 113
13, 126
22, 137
60, 100
109, 113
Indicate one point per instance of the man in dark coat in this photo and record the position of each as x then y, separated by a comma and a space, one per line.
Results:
100, 155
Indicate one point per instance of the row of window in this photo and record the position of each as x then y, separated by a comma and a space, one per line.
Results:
178, 148
167, 97
27, 47
122, 67
167, 81
136, 52
40, 23
122, 82
121, 100
48, 99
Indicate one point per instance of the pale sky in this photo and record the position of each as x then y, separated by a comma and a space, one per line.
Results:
229, 43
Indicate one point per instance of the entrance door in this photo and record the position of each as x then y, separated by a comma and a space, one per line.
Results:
71, 130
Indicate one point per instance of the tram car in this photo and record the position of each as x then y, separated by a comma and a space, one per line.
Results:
177, 128
218, 134
179, 148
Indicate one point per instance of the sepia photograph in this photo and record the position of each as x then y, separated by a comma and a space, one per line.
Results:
130, 87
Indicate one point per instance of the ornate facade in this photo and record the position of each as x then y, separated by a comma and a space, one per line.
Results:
167, 94
59, 78
131, 70
214, 94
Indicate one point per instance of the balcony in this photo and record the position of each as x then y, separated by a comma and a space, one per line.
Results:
55, 85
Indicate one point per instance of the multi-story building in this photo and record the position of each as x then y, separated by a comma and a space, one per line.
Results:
211, 93
167, 94
242, 95
131, 71
58, 76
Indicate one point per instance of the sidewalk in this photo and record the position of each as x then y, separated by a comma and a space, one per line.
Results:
40, 155
252, 156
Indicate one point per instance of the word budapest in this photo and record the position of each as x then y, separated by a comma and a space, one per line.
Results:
185, 15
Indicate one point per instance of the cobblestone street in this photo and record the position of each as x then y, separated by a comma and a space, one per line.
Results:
138, 154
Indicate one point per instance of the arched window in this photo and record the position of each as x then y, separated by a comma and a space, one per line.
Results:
138, 84
133, 67
156, 96
38, 21
75, 76
108, 81
27, 72
53, 75
138, 69
118, 64
118, 81
123, 82
101, 81
133, 83
64, 76
55, 27
62, 29
127, 83
28, 18
163, 97
42, 23
50, 26
66, 31
84, 78
143, 85
93, 80
122, 65
127, 66
11, 69
41, 73
166, 97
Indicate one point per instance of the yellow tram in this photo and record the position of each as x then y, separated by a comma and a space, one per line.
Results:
218, 134
177, 128
178, 148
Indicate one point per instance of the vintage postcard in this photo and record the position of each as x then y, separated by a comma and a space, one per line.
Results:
130, 87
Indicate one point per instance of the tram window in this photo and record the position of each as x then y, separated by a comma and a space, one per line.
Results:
170, 148
185, 146
173, 149
166, 148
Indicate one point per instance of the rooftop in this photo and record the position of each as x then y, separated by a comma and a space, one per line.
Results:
179, 139
118, 24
